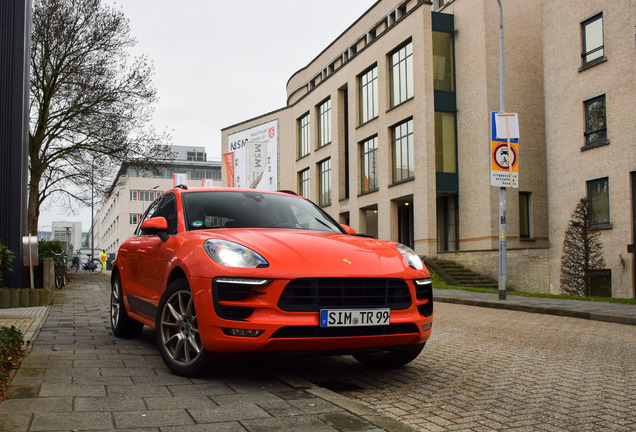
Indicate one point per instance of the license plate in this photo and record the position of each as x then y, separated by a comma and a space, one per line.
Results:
354, 317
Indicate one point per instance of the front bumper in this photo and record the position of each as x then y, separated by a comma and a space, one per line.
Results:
222, 315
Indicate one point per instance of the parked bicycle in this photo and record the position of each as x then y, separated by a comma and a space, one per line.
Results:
60, 268
92, 264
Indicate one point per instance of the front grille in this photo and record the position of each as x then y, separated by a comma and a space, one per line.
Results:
324, 332
311, 295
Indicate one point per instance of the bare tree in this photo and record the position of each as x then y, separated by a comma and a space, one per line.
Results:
582, 252
90, 103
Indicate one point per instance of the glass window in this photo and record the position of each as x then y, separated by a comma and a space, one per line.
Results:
303, 183
243, 209
403, 157
134, 195
524, 215
324, 123
369, 95
368, 163
303, 136
593, 48
595, 125
443, 66
324, 181
168, 209
134, 218
598, 197
445, 143
402, 74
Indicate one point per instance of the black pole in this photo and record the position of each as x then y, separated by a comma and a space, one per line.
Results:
92, 211
15, 47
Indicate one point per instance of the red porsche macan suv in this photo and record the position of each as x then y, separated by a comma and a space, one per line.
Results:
229, 271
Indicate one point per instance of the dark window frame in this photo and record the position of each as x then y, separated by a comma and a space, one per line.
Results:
585, 52
590, 134
594, 219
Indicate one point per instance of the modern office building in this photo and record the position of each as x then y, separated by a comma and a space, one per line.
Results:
134, 189
389, 130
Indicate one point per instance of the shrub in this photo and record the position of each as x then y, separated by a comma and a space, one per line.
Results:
10, 347
48, 248
6, 260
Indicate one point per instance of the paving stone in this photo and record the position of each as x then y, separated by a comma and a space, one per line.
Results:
71, 421
230, 412
158, 418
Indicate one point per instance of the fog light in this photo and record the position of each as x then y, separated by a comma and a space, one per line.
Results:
243, 332
427, 327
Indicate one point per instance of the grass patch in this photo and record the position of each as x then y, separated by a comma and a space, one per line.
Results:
438, 282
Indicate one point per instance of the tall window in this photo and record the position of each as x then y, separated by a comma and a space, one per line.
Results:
134, 218
324, 123
595, 124
369, 95
303, 183
443, 65
403, 157
445, 148
592, 35
402, 74
303, 136
524, 215
598, 197
368, 163
324, 181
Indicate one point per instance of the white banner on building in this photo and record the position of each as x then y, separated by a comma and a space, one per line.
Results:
255, 157
179, 179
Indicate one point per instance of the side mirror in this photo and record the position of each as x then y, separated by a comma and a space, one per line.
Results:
156, 226
348, 229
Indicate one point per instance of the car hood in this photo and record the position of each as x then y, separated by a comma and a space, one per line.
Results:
302, 253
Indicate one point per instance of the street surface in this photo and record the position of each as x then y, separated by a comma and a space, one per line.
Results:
491, 370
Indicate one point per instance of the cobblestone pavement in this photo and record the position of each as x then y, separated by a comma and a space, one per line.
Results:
499, 370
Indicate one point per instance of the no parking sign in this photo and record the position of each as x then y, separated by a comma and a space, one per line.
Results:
504, 150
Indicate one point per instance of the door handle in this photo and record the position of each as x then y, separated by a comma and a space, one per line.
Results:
141, 251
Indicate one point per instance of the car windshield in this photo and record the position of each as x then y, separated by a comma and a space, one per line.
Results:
247, 209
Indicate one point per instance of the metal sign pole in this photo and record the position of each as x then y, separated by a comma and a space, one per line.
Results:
502, 190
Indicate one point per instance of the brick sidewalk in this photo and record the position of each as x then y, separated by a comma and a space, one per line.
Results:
78, 376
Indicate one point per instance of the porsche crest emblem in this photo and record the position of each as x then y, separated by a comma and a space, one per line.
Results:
346, 260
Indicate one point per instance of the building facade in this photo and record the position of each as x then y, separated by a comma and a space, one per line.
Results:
388, 130
134, 189
589, 61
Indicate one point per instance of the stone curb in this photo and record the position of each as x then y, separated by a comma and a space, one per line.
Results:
358, 409
550, 310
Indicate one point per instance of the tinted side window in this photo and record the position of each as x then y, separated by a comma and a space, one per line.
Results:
168, 209
150, 212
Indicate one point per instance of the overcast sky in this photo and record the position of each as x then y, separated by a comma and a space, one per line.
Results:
218, 62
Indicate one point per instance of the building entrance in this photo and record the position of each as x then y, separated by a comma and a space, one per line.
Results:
447, 222
405, 223
632, 247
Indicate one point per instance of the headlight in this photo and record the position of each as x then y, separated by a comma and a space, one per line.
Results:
410, 257
233, 254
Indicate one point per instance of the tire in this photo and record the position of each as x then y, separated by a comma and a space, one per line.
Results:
177, 332
390, 358
59, 278
95, 266
121, 324
74, 265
